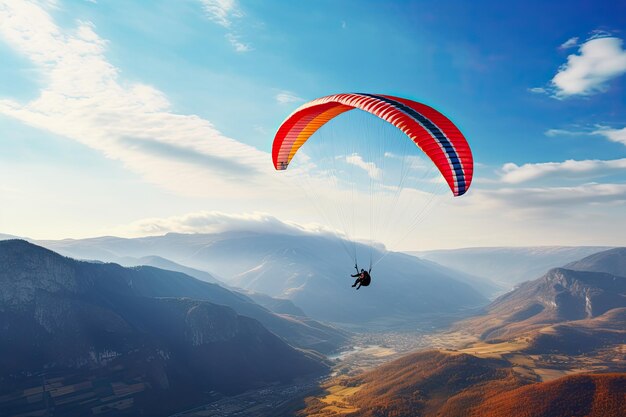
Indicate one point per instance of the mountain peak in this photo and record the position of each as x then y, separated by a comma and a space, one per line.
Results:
612, 261
561, 295
28, 268
15, 246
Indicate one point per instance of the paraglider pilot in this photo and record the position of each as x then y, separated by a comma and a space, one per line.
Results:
363, 278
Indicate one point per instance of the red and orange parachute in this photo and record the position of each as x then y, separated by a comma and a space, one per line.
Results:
431, 131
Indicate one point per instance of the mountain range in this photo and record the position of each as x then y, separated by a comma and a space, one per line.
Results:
311, 270
225, 313
88, 325
508, 266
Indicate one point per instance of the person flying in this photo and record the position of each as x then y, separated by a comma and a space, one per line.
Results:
363, 278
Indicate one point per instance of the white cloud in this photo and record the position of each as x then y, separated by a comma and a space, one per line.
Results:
221, 12
551, 198
372, 170
589, 214
599, 33
85, 99
215, 222
412, 162
285, 97
570, 43
599, 61
237, 43
225, 13
538, 90
515, 174
615, 135
564, 132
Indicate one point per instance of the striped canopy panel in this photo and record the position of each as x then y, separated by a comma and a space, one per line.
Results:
431, 131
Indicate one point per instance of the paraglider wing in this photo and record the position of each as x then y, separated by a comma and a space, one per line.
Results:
431, 131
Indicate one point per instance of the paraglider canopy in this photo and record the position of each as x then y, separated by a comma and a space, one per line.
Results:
431, 131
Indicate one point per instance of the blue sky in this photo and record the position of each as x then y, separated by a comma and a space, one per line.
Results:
132, 117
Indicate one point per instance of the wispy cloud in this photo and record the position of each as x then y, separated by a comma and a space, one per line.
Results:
612, 134
600, 33
515, 174
225, 13
598, 61
565, 132
615, 135
415, 162
549, 198
237, 44
222, 12
372, 170
85, 99
548, 215
215, 222
285, 97
538, 90
570, 43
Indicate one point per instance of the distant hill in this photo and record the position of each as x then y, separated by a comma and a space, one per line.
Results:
130, 326
612, 261
581, 336
310, 270
277, 305
508, 266
162, 263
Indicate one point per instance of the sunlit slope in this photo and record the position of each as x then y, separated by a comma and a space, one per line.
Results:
422, 384
596, 395
436, 383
